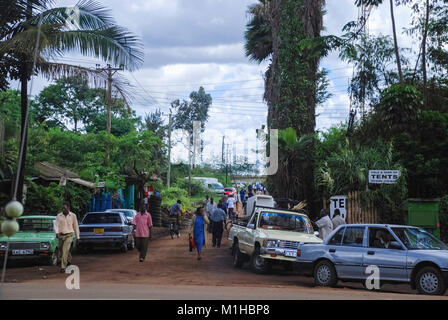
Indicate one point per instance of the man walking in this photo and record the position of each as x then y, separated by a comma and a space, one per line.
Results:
218, 219
175, 211
337, 219
324, 224
65, 225
230, 206
143, 224
209, 208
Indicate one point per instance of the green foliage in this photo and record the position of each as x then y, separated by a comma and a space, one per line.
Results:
443, 218
343, 167
422, 148
196, 109
171, 195
44, 200
399, 106
197, 188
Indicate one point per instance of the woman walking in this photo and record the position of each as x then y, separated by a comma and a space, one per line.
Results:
198, 229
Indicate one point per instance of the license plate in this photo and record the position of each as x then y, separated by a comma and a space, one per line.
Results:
22, 252
291, 253
98, 231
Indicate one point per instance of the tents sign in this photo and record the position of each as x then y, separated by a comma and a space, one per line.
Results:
384, 176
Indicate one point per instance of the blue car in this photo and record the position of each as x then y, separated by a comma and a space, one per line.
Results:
401, 254
106, 229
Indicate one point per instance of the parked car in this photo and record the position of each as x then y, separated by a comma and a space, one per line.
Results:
35, 239
106, 229
402, 254
230, 192
269, 236
129, 213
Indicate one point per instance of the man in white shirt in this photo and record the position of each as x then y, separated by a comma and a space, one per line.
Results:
337, 219
230, 206
65, 225
325, 225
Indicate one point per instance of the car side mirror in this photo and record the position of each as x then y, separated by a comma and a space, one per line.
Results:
395, 245
316, 233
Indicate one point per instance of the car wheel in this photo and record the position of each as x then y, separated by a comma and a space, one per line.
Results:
238, 257
131, 245
124, 247
53, 259
325, 274
429, 281
259, 264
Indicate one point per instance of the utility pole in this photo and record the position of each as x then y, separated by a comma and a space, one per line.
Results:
222, 152
110, 73
189, 164
170, 128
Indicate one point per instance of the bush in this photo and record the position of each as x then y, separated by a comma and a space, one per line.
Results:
443, 218
197, 188
44, 200
171, 195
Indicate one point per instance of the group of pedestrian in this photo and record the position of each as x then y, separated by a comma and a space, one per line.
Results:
326, 225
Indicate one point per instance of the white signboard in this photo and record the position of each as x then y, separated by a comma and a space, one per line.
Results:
338, 202
384, 176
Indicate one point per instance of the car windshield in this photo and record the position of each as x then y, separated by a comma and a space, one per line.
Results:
127, 213
217, 186
35, 225
102, 218
284, 221
228, 189
419, 239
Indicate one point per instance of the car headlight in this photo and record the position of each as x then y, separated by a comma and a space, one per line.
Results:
2, 245
270, 243
44, 245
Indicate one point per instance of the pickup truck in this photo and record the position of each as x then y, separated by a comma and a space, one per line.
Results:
270, 236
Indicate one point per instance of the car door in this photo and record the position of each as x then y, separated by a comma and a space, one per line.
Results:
391, 262
348, 256
248, 235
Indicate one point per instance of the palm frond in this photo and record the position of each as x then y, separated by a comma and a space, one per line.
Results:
114, 44
92, 15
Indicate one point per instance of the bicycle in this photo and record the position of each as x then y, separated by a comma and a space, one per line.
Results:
174, 228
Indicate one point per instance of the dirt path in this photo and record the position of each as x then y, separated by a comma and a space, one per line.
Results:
170, 263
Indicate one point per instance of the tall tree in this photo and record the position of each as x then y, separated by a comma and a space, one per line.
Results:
94, 34
289, 33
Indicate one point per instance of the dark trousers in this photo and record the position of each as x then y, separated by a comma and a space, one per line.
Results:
230, 210
217, 229
142, 246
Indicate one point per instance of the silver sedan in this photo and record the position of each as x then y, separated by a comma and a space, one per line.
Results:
382, 253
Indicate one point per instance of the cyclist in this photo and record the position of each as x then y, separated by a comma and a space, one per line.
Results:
175, 212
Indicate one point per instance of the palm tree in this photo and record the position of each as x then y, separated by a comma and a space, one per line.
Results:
95, 34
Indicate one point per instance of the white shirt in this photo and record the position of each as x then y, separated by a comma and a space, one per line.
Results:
337, 221
231, 203
66, 224
325, 227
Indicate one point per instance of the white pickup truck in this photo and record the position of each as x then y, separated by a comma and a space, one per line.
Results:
268, 236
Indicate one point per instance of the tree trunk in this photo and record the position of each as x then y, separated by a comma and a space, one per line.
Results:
397, 53
424, 71
23, 131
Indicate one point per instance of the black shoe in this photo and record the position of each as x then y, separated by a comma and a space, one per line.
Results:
141, 260
62, 270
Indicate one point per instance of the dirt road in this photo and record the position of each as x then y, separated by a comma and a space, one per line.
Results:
169, 264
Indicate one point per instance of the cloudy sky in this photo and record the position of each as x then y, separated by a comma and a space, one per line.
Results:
189, 43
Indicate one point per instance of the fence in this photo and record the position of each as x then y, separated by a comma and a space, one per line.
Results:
357, 214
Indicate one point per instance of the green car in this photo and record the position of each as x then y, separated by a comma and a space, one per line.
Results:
35, 240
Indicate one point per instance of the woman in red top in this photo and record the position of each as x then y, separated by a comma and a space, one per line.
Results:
143, 225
